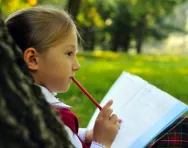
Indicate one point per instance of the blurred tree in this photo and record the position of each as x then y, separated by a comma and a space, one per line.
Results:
89, 21
149, 13
9, 6
55, 3
121, 29
113, 24
32, 2
136, 19
73, 7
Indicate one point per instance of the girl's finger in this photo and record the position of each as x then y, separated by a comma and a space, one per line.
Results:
108, 104
103, 110
108, 113
118, 125
114, 118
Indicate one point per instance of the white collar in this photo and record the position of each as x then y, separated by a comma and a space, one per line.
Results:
50, 98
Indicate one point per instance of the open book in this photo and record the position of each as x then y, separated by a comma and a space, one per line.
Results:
145, 111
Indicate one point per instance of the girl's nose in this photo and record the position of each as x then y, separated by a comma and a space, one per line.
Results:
76, 66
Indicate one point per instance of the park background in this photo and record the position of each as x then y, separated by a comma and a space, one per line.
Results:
144, 37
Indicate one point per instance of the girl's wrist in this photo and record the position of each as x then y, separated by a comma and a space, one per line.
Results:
88, 137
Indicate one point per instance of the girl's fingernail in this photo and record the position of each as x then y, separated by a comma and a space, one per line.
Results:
110, 100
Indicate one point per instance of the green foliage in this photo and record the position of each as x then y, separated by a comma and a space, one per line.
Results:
9, 6
112, 24
99, 71
56, 3
89, 14
135, 20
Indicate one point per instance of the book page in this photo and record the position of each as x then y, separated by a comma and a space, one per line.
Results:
145, 110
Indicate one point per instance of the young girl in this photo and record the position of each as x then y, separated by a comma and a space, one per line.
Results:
48, 39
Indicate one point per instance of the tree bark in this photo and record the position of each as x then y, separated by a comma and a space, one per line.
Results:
120, 40
26, 119
140, 33
73, 7
121, 29
89, 38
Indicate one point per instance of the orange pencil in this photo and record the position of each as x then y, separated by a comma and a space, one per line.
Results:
86, 93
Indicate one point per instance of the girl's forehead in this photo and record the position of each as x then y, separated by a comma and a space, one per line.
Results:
70, 40
66, 45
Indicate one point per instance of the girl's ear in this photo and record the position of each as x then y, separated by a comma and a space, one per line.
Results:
31, 58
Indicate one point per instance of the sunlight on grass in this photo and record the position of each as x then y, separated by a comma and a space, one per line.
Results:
168, 59
148, 58
136, 70
183, 71
140, 70
139, 63
103, 54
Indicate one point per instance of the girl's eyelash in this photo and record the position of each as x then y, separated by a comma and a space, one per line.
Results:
69, 53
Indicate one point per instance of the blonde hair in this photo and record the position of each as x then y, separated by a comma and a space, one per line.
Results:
39, 27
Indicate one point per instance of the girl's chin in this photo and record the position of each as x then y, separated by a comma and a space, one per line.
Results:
64, 89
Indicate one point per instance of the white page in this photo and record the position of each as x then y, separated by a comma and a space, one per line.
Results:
144, 110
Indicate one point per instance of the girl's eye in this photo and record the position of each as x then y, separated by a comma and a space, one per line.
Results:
69, 53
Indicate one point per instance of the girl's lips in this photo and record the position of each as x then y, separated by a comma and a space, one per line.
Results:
71, 77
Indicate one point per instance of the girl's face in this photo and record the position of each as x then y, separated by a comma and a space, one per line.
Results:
58, 65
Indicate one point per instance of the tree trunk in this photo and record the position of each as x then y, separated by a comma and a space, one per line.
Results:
73, 7
89, 38
140, 34
139, 45
115, 43
26, 119
127, 39
120, 40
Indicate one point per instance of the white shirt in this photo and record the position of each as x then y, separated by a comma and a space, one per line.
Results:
50, 98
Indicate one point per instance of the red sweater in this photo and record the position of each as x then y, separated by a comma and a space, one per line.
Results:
70, 120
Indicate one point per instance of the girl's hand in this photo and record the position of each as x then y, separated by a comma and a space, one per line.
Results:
106, 126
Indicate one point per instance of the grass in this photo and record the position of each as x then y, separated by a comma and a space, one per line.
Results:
99, 71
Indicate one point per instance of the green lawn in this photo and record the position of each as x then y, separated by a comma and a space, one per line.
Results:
99, 71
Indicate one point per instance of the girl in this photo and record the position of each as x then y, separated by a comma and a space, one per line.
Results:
48, 39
